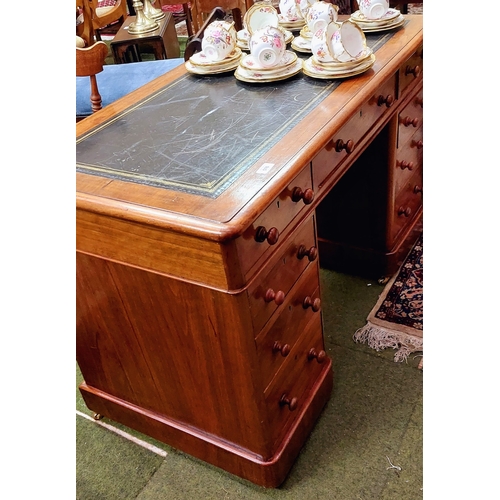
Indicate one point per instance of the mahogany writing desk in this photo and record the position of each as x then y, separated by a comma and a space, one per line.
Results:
201, 204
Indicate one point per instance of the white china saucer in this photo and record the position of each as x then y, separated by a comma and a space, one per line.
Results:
200, 59
342, 66
211, 70
253, 76
291, 25
396, 23
315, 71
249, 62
390, 14
301, 45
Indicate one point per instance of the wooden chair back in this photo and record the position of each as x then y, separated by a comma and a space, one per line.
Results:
117, 14
90, 59
202, 9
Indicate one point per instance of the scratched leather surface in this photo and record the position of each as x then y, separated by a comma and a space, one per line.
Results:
199, 134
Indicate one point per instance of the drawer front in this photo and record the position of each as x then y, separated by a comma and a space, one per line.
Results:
407, 203
265, 232
410, 119
289, 389
345, 141
411, 71
409, 158
273, 285
275, 343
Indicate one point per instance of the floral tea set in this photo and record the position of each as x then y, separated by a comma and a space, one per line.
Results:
258, 53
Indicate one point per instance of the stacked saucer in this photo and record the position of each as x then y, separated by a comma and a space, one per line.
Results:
334, 70
390, 20
249, 70
199, 64
243, 37
302, 43
295, 25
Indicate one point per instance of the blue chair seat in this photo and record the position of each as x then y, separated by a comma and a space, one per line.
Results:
117, 80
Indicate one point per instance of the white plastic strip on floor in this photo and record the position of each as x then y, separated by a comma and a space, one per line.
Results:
124, 434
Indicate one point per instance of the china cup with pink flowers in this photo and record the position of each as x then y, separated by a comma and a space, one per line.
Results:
373, 9
320, 14
219, 40
267, 46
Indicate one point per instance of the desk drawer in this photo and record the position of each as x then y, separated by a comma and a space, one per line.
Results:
410, 119
409, 158
275, 343
259, 239
410, 71
407, 203
295, 377
346, 140
272, 286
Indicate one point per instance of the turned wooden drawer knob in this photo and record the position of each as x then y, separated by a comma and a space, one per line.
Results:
405, 164
278, 297
311, 254
408, 120
291, 403
284, 350
306, 196
315, 304
320, 356
418, 144
417, 189
388, 100
348, 146
415, 71
404, 211
271, 236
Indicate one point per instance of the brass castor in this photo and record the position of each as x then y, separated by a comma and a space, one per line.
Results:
98, 416
384, 280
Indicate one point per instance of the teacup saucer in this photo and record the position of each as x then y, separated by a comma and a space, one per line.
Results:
301, 44
390, 14
342, 66
214, 69
393, 23
306, 33
254, 76
314, 70
249, 62
291, 25
200, 59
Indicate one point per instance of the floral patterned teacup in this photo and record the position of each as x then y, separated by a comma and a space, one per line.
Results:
267, 46
219, 40
322, 42
349, 43
373, 9
290, 10
320, 14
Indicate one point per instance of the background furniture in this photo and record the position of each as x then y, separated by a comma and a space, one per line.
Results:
105, 16
184, 14
162, 42
202, 8
198, 297
108, 82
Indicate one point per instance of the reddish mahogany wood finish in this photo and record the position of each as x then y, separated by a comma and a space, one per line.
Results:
199, 320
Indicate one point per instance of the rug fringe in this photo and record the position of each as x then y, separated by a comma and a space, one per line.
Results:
381, 338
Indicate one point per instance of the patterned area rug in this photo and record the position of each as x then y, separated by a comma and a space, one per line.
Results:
396, 321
